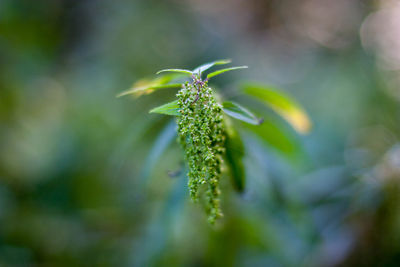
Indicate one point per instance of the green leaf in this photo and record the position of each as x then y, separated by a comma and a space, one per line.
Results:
166, 136
234, 158
149, 89
218, 72
273, 135
176, 70
206, 66
147, 86
282, 104
171, 108
238, 112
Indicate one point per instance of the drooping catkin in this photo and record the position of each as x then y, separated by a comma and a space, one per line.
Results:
201, 134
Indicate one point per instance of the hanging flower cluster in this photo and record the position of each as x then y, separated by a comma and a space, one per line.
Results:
201, 134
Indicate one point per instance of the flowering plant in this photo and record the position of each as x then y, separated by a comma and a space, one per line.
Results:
204, 130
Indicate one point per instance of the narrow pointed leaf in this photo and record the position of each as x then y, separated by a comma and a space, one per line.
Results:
206, 66
218, 72
234, 158
163, 140
149, 89
238, 112
275, 137
282, 104
171, 108
176, 70
147, 86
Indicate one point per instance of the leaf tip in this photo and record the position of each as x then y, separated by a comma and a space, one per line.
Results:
225, 61
301, 122
123, 93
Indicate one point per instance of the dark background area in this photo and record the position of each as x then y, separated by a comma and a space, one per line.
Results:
83, 174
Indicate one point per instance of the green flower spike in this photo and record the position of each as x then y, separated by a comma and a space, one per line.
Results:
201, 134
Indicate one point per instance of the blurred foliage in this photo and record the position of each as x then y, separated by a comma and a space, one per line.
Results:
75, 186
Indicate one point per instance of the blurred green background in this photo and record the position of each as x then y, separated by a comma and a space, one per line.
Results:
84, 175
